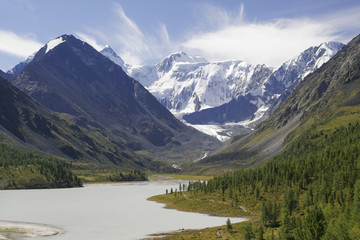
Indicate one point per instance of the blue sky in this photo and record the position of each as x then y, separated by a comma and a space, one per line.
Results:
144, 31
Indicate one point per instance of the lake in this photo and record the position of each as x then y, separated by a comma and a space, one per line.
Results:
102, 211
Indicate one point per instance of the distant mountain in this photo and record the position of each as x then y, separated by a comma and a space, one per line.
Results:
111, 54
327, 99
291, 73
70, 77
191, 86
186, 84
147, 75
12, 73
4, 75
267, 91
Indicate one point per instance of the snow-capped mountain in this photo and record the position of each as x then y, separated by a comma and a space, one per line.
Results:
180, 57
111, 54
269, 92
186, 84
290, 73
147, 75
203, 92
20, 66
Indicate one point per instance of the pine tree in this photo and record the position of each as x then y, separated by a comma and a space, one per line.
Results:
260, 233
228, 225
315, 224
248, 232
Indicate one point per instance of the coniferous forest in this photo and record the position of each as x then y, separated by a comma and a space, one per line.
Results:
25, 169
309, 191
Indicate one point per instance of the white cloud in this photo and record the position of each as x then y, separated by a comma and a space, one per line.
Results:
132, 44
130, 37
345, 24
271, 42
136, 46
90, 40
16, 45
223, 35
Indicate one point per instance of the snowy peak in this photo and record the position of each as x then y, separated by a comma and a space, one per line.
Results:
289, 74
54, 43
19, 67
191, 87
30, 58
326, 51
44, 50
332, 46
108, 51
316, 56
180, 57
111, 54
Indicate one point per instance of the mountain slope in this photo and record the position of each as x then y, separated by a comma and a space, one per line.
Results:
327, 98
186, 85
12, 73
4, 75
69, 76
111, 54
26, 123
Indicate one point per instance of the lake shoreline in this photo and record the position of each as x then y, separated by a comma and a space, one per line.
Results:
97, 211
9, 228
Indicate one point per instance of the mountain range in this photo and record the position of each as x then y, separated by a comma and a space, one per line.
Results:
207, 93
325, 100
268, 91
93, 91
203, 92
110, 117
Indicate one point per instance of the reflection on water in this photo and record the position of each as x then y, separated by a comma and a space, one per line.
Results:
102, 211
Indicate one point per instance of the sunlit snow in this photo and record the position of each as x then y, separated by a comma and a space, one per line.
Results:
53, 43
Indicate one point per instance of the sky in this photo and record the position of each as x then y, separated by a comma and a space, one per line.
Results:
145, 31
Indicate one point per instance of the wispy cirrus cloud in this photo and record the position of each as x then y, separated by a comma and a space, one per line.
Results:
137, 46
90, 40
132, 40
18, 45
131, 43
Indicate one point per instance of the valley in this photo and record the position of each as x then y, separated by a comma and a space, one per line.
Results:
276, 149
310, 190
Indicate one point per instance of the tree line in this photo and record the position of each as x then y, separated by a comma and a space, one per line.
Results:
133, 175
57, 173
309, 191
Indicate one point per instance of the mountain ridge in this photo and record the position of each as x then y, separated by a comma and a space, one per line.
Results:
183, 83
70, 77
281, 81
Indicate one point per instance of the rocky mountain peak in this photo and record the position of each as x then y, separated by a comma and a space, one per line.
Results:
112, 55
179, 57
